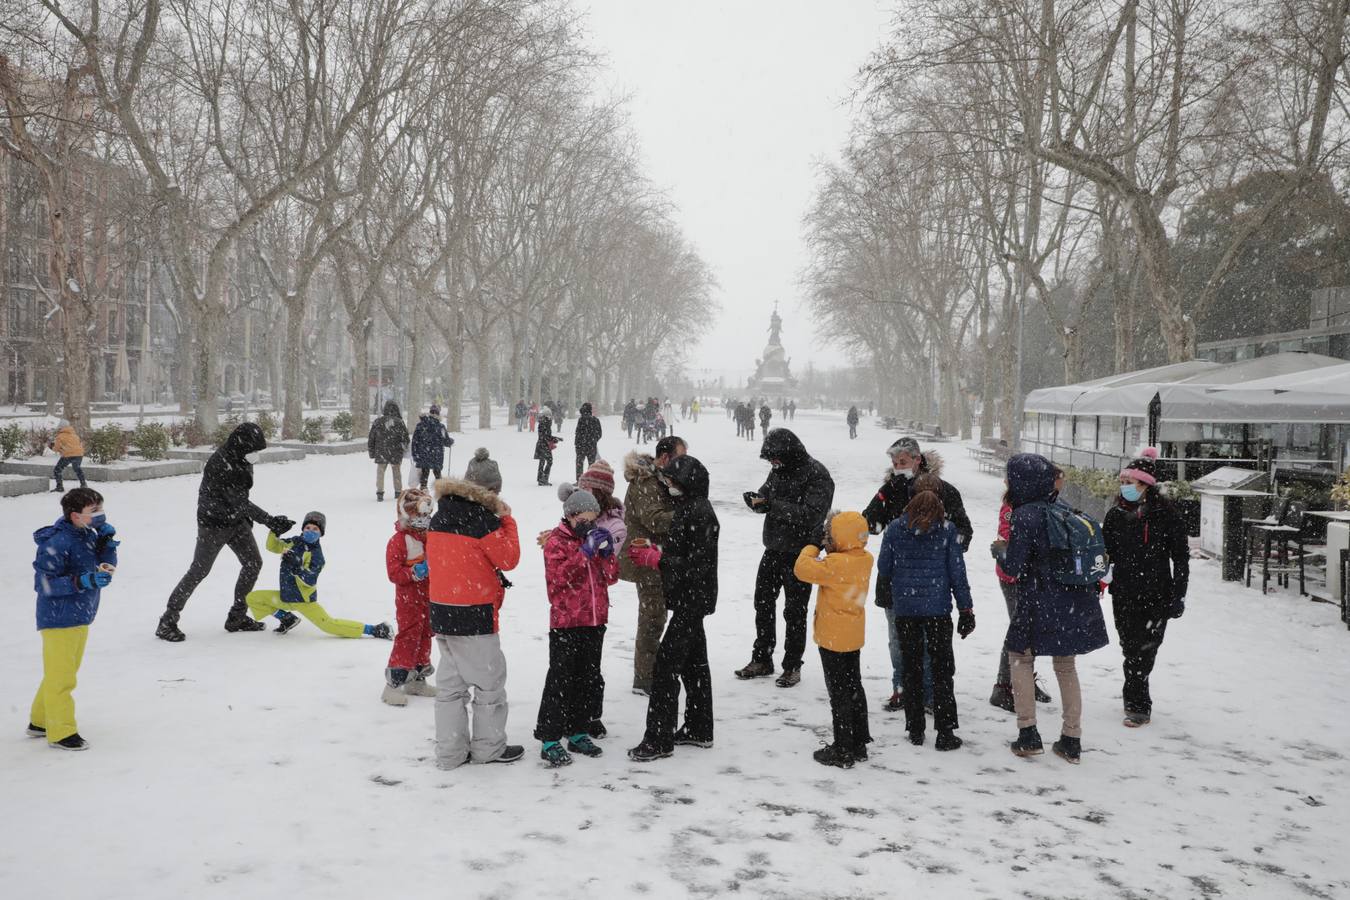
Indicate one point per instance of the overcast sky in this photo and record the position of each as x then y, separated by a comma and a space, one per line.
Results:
734, 103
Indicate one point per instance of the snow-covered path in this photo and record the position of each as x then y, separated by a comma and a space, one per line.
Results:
260, 766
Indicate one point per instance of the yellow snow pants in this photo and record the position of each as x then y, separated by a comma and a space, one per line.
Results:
54, 705
263, 603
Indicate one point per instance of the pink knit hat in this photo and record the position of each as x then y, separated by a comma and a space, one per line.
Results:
1143, 469
600, 476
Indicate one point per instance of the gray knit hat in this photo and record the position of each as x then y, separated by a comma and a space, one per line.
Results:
579, 502
483, 471
316, 518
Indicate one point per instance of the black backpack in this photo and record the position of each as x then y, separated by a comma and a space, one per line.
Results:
1077, 548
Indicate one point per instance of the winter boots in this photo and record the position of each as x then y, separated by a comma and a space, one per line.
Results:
510, 754
596, 729
1069, 749
830, 755
896, 703
417, 684
170, 633
1136, 719
1028, 742
646, 752
382, 631
74, 742
240, 620
379, 496
286, 621
36, 730
756, 668
684, 739
400, 684
946, 740
789, 678
553, 754
582, 744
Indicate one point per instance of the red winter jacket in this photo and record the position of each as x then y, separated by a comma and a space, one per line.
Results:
1004, 533
578, 587
406, 548
472, 540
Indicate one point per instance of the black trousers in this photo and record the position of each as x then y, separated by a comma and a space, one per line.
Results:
423, 473
848, 704
1141, 626
585, 457
775, 571
852, 429
210, 541
545, 467
681, 659
573, 689
935, 635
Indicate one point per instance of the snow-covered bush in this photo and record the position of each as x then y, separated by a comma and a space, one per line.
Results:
312, 433
193, 433
11, 440
108, 444
268, 423
343, 423
39, 437
152, 439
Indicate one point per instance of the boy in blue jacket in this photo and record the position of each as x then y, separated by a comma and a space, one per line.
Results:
301, 562
920, 569
76, 558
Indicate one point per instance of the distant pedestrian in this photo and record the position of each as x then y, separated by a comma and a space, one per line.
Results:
587, 437
544, 445
386, 444
70, 452
852, 419
429, 440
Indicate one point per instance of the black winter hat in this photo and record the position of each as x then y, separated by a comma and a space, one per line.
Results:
316, 518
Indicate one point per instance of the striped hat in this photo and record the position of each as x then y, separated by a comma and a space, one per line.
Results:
600, 476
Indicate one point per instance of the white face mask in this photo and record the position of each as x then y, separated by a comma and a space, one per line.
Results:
252, 457
674, 491
420, 523
905, 473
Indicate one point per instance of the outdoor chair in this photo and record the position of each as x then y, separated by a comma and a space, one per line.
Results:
1270, 537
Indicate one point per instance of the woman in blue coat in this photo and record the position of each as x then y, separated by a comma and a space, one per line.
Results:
1052, 618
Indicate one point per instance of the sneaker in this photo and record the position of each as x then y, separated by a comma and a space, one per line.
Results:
382, 631
946, 741
170, 633
74, 742
1028, 742
896, 703
684, 739
1002, 697
789, 678
829, 755
554, 754
394, 696
1068, 749
645, 752
512, 753
243, 623
36, 730
418, 687
597, 729
584, 746
1041, 696
1136, 720
286, 621
755, 669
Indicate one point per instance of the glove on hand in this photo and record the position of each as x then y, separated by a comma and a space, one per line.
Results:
883, 598
598, 541
648, 557
1177, 609
750, 497
106, 531
420, 570
90, 580
279, 525
965, 623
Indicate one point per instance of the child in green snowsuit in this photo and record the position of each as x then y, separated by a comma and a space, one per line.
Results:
301, 562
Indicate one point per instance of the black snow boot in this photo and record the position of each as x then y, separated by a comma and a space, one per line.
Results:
169, 632
1028, 742
830, 755
286, 621
946, 741
684, 739
1068, 749
240, 621
756, 668
597, 729
645, 752
74, 742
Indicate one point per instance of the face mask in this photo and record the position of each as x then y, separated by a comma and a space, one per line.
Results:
673, 490
905, 473
419, 523
1131, 492
583, 528
310, 537
252, 458
98, 520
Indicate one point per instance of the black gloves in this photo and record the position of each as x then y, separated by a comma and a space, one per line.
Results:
883, 598
817, 536
279, 525
965, 623
1177, 609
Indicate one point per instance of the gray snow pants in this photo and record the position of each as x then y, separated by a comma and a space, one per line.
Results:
470, 661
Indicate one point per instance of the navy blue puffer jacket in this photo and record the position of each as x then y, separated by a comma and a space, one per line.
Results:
925, 570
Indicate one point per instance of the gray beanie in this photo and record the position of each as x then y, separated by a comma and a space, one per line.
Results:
580, 502
316, 518
483, 471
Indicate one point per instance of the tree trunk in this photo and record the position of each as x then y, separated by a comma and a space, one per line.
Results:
416, 363
359, 332
483, 351
293, 414
454, 403
1008, 365
210, 332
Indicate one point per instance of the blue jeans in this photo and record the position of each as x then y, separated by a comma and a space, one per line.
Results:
898, 662
74, 463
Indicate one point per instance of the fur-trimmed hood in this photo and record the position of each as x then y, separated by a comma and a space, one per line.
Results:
467, 490
932, 465
637, 464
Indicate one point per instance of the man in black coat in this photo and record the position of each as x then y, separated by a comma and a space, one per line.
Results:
386, 444
429, 440
794, 500
907, 464
225, 517
688, 564
587, 438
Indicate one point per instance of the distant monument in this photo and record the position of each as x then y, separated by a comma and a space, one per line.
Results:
773, 377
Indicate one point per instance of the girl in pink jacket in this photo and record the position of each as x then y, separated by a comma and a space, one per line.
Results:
580, 564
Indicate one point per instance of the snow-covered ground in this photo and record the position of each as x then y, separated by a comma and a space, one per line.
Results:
252, 765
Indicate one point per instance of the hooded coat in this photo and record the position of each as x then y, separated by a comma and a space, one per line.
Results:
67, 442
896, 492
843, 576
647, 511
64, 553
798, 493
545, 442
689, 554
1051, 619
388, 438
429, 440
588, 431
472, 539
222, 498
578, 585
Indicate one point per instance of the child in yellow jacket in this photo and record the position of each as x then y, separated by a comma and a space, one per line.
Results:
843, 575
